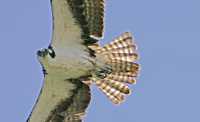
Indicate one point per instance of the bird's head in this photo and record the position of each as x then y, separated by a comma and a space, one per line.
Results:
45, 54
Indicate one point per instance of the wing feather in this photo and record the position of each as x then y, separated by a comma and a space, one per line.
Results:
90, 15
61, 101
95, 16
72, 109
77, 21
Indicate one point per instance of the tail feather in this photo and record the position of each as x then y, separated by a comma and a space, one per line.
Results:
123, 77
128, 49
120, 86
114, 95
130, 57
122, 42
120, 55
123, 66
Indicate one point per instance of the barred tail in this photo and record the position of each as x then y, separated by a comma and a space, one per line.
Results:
120, 55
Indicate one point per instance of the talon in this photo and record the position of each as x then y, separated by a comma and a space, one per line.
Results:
87, 82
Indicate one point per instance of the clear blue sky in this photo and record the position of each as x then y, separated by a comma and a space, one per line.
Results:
168, 35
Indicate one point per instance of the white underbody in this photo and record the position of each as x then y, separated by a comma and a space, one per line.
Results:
57, 86
72, 61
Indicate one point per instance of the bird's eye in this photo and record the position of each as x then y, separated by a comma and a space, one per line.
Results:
51, 52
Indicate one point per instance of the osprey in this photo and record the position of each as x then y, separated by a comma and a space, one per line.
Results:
74, 60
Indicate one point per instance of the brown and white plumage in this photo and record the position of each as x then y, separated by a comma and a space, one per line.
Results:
120, 56
74, 56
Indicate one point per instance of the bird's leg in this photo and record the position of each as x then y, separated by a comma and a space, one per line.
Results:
99, 74
103, 72
87, 82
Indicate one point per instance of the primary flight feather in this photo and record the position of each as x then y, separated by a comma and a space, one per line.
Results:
74, 60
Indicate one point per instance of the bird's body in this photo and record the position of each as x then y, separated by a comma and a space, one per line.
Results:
74, 56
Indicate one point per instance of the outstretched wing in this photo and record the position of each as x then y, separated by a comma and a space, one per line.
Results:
61, 101
89, 14
77, 21
73, 108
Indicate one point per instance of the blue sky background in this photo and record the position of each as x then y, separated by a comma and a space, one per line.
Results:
168, 36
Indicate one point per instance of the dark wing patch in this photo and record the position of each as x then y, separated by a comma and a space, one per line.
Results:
73, 108
90, 16
95, 16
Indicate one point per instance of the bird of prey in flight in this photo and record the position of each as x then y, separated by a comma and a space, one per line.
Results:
74, 60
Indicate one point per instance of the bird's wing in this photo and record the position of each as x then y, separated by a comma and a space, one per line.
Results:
61, 101
77, 22
73, 108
